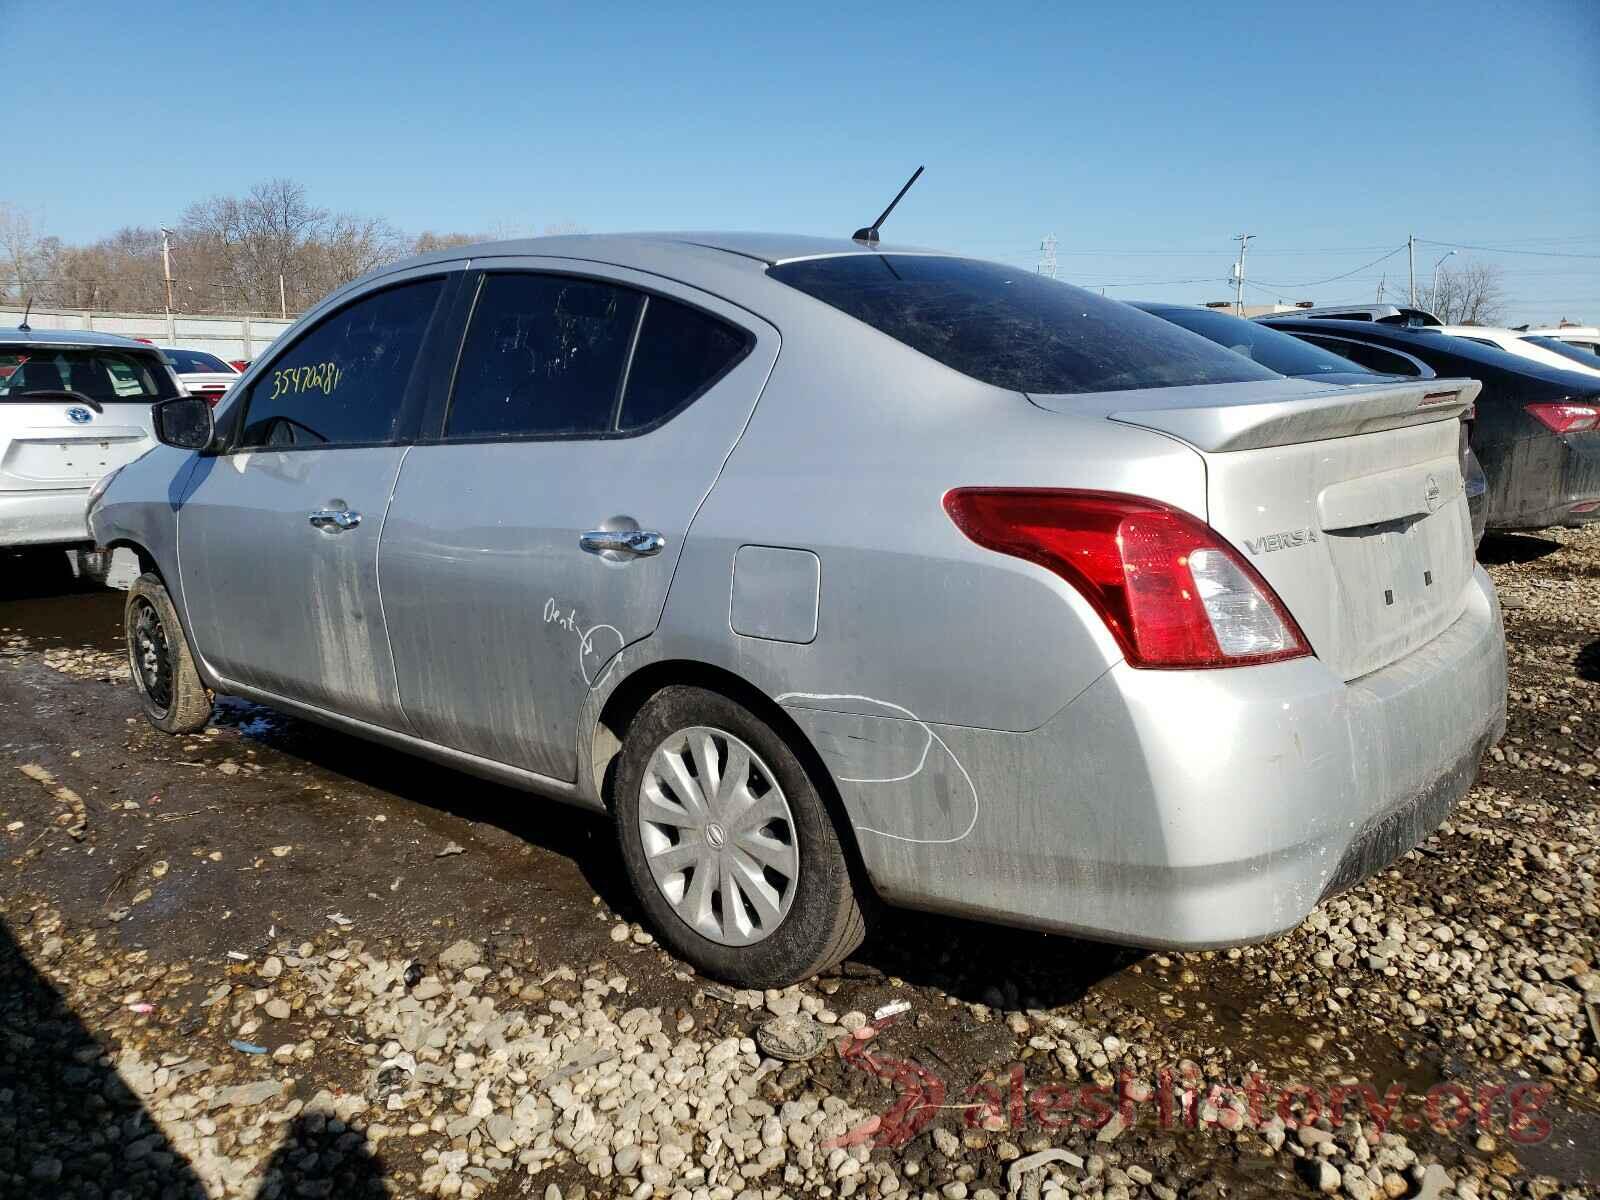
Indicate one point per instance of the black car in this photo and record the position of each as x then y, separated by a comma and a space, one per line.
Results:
1537, 431
1289, 355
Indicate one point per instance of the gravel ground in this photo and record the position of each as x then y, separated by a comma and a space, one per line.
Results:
270, 960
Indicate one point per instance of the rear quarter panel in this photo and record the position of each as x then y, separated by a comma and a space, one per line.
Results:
849, 454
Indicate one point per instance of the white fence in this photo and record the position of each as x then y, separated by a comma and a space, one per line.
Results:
227, 337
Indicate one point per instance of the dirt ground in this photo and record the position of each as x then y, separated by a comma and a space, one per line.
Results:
270, 959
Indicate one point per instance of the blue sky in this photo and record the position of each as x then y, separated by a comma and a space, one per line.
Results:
1144, 136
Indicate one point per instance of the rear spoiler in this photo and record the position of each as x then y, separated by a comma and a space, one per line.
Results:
1339, 412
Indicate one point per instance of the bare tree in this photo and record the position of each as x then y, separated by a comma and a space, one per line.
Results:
229, 254
1468, 295
21, 247
429, 242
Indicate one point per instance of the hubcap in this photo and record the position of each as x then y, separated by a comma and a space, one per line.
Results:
718, 835
151, 655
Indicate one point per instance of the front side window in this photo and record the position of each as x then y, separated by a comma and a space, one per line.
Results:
556, 356
1012, 328
104, 376
343, 382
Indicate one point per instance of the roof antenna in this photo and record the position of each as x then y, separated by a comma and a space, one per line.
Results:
28, 309
869, 235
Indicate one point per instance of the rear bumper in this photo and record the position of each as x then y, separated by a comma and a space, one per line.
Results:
43, 518
1542, 480
1185, 809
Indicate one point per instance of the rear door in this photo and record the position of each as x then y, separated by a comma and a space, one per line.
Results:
70, 414
278, 537
585, 402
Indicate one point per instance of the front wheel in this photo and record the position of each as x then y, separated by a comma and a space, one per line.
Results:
728, 844
164, 674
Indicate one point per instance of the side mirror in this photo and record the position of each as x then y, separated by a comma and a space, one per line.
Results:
186, 423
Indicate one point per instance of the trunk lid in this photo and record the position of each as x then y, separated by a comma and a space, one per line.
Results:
1349, 502
57, 445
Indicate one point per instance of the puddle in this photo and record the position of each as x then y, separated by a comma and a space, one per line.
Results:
52, 598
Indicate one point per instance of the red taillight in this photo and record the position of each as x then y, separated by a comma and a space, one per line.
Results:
1565, 417
1169, 588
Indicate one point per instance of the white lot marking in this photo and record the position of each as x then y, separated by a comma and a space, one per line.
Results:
917, 770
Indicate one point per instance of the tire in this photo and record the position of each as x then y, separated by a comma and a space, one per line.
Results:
164, 675
771, 935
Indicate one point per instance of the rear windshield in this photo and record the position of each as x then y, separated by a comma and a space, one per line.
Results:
1277, 351
192, 362
105, 376
1012, 328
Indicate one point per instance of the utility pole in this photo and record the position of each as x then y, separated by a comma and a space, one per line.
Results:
1238, 275
166, 271
1047, 256
1381, 282
283, 297
1411, 261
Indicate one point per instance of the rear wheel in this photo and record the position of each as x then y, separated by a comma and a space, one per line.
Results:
164, 674
729, 845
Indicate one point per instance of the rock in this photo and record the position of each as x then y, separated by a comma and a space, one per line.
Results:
619, 932
945, 1142
45, 1170
1434, 1182
1320, 1174
461, 955
272, 968
243, 1095
278, 1008
626, 1161
1112, 1129
794, 1038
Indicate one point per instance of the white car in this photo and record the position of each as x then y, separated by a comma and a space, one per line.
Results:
74, 406
1514, 341
204, 375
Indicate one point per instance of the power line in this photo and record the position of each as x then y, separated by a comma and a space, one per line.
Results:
1292, 287
1504, 250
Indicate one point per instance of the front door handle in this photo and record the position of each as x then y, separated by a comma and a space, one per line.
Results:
336, 519
634, 543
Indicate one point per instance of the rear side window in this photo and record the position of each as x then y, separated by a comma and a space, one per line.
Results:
1012, 328
1272, 348
343, 382
555, 356
104, 376
1374, 358
681, 353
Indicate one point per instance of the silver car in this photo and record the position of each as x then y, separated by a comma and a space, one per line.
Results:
838, 573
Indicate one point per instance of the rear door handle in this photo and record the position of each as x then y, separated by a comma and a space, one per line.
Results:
634, 543
336, 519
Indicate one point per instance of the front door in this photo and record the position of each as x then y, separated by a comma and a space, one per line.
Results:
582, 405
278, 537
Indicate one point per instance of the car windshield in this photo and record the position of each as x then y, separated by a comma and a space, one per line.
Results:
193, 362
1012, 328
1576, 353
1272, 349
100, 375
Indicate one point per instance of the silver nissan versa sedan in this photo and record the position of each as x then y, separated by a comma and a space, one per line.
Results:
835, 571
